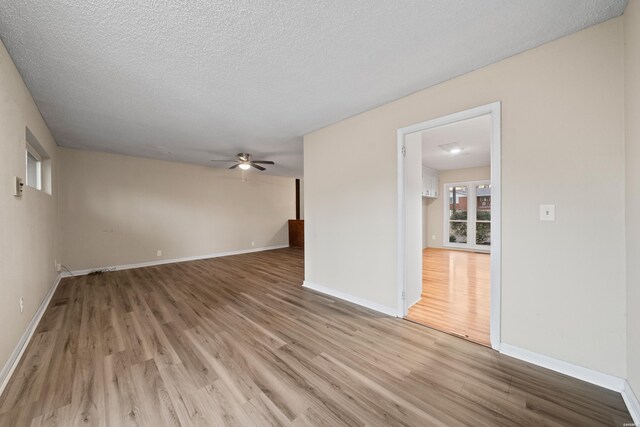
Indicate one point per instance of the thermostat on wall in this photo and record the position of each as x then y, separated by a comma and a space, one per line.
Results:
18, 186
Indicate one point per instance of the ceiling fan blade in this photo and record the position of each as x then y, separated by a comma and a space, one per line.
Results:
264, 162
260, 168
235, 166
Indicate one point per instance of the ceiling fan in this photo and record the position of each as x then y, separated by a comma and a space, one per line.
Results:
244, 162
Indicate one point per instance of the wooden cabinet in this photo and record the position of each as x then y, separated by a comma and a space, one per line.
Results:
296, 233
430, 182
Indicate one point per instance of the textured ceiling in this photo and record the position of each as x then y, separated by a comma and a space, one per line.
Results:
472, 136
195, 80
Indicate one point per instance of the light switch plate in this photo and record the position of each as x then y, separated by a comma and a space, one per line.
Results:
547, 212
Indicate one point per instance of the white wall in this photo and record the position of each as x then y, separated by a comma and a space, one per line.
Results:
118, 210
632, 138
28, 226
563, 282
426, 202
434, 212
413, 221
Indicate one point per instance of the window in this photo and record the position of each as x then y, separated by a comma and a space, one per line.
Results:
37, 164
483, 214
468, 215
458, 203
34, 169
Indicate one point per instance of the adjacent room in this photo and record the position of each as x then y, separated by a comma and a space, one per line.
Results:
416, 213
456, 229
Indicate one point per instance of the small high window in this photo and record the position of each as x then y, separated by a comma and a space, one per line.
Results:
34, 168
37, 164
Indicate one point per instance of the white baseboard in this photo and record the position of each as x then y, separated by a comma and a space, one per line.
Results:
414, 303
585, 374
353, 299
17, 353
632, 402
174, 260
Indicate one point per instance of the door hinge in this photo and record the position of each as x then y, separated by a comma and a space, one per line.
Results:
404, 151
403, 295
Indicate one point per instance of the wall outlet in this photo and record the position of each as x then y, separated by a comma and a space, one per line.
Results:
57, 265
253, 243
158, 252
21, 305
433, 237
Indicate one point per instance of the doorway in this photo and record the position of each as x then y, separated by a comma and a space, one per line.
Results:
449, 229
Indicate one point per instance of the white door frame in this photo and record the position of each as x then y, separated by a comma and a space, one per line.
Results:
494, 110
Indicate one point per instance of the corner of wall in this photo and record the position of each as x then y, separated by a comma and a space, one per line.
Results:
631, 22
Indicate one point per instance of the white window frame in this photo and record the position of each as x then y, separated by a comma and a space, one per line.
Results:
471, 216
38, 157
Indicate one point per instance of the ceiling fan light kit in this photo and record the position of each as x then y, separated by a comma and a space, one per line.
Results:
244, 162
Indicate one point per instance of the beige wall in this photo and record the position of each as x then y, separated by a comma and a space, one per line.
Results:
413, 217
632, 138
433, 218
563, 282
28, 230
118, 210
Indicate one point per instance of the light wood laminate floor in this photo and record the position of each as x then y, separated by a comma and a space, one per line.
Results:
455, 294
238, 341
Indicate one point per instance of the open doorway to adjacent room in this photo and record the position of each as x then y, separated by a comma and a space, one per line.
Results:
451, 236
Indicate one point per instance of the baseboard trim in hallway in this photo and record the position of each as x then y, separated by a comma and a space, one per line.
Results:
632, 402
18, 351
85, 271
607, 381
350, 298
610, 382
